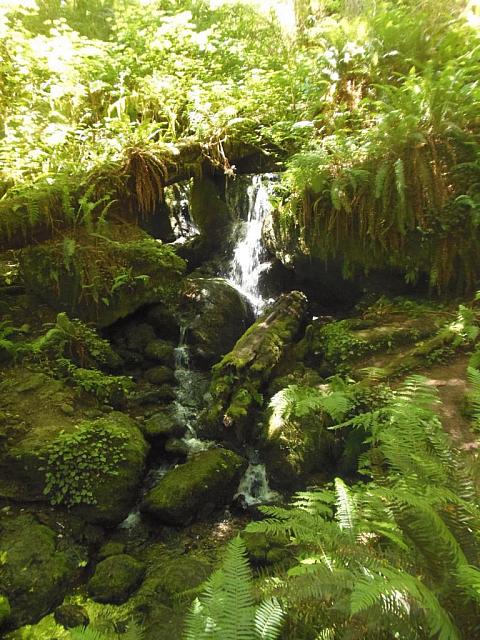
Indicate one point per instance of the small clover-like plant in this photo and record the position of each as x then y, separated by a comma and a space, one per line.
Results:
77, 462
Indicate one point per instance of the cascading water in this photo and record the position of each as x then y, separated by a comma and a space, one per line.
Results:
254, 487
250, 258
192, 386
178, 201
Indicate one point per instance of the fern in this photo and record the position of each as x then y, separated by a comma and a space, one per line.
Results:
226, 611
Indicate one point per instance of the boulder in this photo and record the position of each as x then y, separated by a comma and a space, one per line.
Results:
161, 351
216, 315
115, 579
194, 489
104, 277
160, 375
38, 570
162, 426
241, 376
164, 322
49, 455
5, 611
70, 616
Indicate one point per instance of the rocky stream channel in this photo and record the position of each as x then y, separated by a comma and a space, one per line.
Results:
203, 437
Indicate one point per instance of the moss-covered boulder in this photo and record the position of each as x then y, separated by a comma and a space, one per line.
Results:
102, 277
161, 351
38, 569
160, 375
94, 466
209, 209
162, 426
194, 489
70, 616
240, 378
115, 579
216, 315
5, 610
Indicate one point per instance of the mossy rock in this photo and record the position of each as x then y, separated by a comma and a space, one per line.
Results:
216, 315
111, 548
70, 616
115, 579
5, 610
160, 375
163, 425
164, 322
160, 351
106, 277
23, 459
137, 335
208, 480
38, 570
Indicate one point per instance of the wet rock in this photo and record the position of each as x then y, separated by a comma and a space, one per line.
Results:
115, 579
216, 315
163, 425
161, 351
38, 570
70, 616
208, 480
239, 379
160, 375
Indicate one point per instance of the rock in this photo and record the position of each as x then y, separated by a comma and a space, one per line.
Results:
38, 570
153, 395
164, 322
70, 616
160, 375
24, 465
216, 315
162, 623
163, 425
111, 548
5, 610
208, 480
107, 278
239, 379
176, 447
138, 335
209, 209
115, 579
161, 351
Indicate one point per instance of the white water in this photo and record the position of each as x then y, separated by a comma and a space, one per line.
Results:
192, 386
182, 224
254, 486
250, 258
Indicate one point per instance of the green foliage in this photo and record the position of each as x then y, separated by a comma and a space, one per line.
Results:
76, 462
134, 632
339, 344
394, 555
226, 611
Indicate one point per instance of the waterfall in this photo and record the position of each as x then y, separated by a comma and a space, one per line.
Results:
192, 386
178, 197
250, 258
254, 486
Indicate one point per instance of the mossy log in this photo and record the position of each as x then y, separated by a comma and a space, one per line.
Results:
240, 377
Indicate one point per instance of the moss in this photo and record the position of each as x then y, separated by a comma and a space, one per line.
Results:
37, 571
5, 610
207, 480
111, 548
101, 278
115, 579
161, 351
163, 425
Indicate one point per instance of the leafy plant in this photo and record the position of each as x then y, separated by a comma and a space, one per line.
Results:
77, 462
227, 609
396, 554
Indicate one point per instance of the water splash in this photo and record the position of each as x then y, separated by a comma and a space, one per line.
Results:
250, 258
191, 389
254, 486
